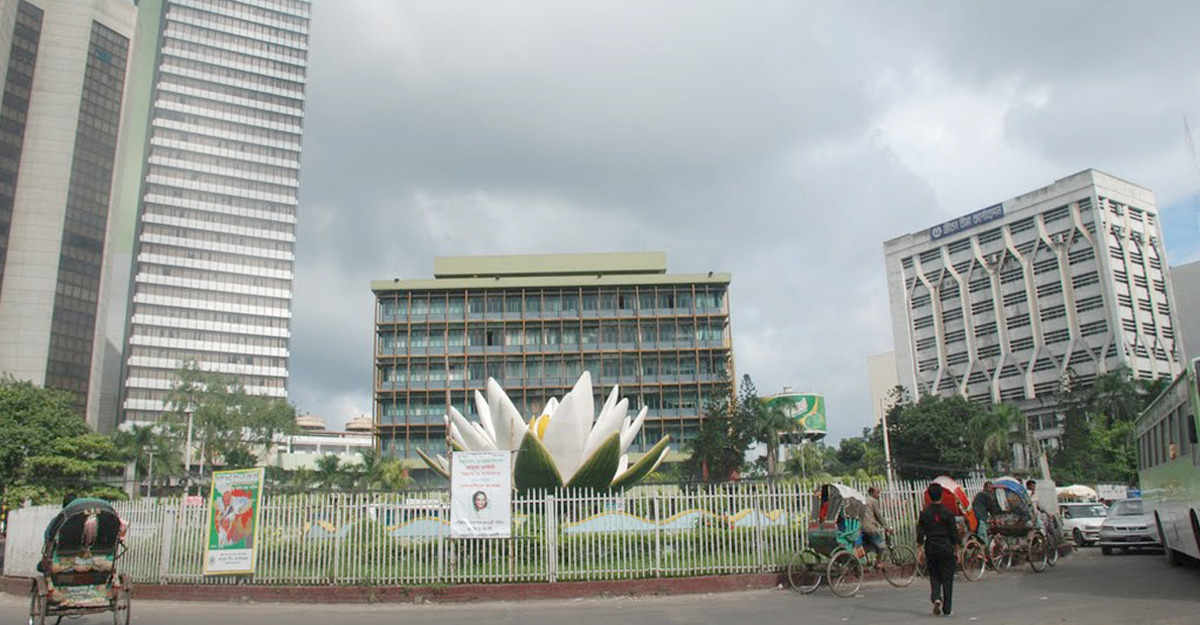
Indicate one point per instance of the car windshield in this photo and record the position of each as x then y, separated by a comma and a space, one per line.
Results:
1126, 508
1086, 512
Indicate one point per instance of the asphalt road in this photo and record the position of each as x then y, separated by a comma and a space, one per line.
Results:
1085, 588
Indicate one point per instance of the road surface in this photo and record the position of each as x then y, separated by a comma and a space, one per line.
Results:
1086, 588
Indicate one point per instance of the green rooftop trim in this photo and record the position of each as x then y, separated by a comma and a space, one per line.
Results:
526, 265
597, 280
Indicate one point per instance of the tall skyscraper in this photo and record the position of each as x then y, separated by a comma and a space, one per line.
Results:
207, 198
535, 323
64, 65
1003, 304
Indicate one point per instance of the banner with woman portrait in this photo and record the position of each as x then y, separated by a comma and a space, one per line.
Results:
481, 494
233, 515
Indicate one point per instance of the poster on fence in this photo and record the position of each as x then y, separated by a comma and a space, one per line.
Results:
480, 494
233, 513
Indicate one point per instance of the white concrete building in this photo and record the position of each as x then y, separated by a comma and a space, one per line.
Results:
208, 197
1003, 303
1186, 280
881, 369
303, 449
64, 67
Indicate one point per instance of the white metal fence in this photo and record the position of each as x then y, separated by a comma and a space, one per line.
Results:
403, 538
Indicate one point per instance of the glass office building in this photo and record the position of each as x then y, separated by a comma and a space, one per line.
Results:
64, 74
535, 323
208, 197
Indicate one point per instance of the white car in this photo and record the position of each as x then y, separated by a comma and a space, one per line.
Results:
1127, 527
1081, 522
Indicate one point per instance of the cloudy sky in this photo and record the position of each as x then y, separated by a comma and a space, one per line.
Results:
782, 142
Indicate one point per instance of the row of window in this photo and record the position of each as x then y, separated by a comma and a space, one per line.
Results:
534, 302
645, 367
567, 335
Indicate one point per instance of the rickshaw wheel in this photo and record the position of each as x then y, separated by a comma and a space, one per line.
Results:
999, 555
1037, 552
900, 566
845, 574
122, 604
804, 571
974, 561
38, 603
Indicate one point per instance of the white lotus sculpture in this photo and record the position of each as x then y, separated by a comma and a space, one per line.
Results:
566, 445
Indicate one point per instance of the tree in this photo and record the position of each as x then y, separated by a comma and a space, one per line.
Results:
227, 423
991, 435
1098, 442
719, 450
771, 423
47, 451
329, 472
931, 437
154, 449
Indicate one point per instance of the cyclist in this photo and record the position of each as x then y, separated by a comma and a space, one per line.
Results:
874, 526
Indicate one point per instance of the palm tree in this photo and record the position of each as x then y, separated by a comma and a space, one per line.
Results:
771, 424
330, 473
156, 454
991, 435
1114, 396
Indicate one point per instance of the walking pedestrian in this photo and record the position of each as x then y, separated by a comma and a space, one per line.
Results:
938, 534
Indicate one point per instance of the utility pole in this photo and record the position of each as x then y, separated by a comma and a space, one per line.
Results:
150, 474
887, 447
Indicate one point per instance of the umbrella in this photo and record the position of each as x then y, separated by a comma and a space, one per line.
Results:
1011, 484
1078, 491
852, 502
953, 495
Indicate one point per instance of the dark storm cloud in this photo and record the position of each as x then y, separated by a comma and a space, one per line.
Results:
778, 141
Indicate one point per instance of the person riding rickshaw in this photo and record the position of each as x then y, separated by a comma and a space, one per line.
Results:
835, 546
1017, 530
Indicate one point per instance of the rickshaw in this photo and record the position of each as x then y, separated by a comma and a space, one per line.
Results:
1015, 532
78, 569
970, 553
835, 549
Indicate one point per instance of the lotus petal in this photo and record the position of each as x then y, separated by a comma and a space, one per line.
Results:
609, 422
643, 467
598, 470
534, 467
623, 465
472, 439
551, 406
437, 468
510, 427
456, 439
569, 426
631, 431
479, 429
609, 403
485, 416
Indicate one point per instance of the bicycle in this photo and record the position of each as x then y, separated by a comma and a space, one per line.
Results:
970, 558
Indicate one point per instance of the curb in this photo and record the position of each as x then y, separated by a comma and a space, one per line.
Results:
466, 593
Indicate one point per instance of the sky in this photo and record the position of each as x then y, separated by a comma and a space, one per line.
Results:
782, 142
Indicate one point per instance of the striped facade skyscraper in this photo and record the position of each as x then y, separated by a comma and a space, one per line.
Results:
206, 199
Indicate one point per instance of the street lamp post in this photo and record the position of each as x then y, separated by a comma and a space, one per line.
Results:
887, 448
150, 474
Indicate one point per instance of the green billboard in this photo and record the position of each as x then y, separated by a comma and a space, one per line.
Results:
807, 408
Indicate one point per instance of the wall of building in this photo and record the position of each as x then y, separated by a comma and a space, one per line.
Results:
217, 198
1185, 280
881, 369
63, 158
